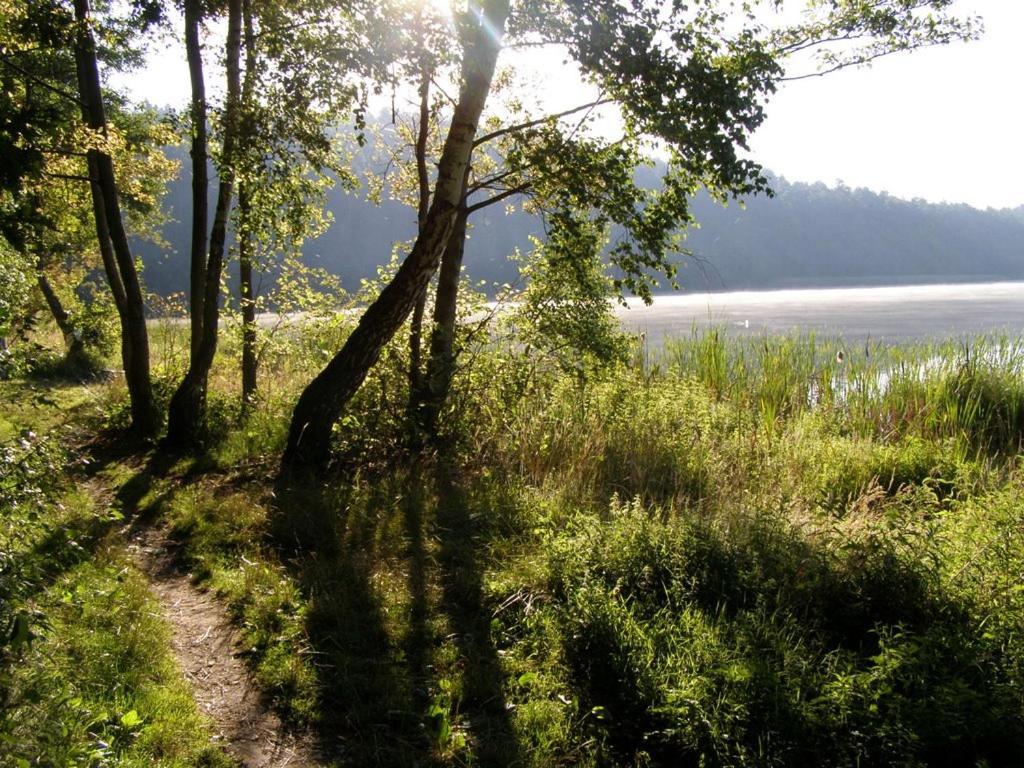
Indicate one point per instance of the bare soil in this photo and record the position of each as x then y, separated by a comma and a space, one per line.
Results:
206, 645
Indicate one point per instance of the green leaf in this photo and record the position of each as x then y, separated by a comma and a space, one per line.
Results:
131, 719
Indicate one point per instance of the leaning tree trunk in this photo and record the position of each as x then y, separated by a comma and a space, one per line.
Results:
323, 400
186, 414
119, 264
74, 346
441, 364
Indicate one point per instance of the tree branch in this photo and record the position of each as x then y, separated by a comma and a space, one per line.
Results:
5, 60
539, 121
498, 198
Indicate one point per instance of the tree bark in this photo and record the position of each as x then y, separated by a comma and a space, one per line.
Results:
245, 239
423, 178
113, 241
248, 301
323, 400
441, 364
74, 347
186, 415
200, 175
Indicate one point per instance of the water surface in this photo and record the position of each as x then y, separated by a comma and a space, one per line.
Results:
887, 315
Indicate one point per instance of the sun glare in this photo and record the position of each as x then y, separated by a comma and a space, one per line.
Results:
440, 7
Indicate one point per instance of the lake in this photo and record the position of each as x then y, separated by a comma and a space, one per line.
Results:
886, 315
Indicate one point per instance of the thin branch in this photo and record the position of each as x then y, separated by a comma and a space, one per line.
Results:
489, 182
539, 121
498, 198
443, 92
39, 81
837, 67
534, 44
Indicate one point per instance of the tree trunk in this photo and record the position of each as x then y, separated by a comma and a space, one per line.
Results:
245, 238
248, 300
186, 415
74, 347
323, 400
441, 364
119, 264
200, 175
423, 178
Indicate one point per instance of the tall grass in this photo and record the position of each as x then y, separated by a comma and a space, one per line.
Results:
739, 553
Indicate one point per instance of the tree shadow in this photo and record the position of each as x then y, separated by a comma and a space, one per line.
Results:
461, 574
338, 546
391, 571
797, 616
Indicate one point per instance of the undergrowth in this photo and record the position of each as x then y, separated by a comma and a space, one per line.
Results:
87, 677
737, 554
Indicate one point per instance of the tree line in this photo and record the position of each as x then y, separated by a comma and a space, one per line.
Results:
807, 235
690, 81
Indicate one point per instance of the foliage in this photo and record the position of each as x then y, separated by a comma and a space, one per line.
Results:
15, 279
565, 309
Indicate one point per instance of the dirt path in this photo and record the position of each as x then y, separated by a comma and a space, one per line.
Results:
205, 644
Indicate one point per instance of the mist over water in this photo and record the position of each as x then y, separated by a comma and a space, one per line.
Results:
886, 315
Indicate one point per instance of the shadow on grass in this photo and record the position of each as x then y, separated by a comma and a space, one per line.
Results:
462, 575
393, 579
338, 546
807, 626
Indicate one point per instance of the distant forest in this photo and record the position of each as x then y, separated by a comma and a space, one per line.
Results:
808, 235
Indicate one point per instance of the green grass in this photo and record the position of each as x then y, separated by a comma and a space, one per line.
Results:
87, 677
743, 554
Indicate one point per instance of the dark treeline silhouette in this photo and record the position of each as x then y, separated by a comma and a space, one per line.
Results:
808, 235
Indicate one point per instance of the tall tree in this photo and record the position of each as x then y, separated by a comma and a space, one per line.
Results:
118, 262
321, 402
532, 153
48, 212
677, 79
302, 64
187, 411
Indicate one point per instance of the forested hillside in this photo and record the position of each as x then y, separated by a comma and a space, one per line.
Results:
806, 235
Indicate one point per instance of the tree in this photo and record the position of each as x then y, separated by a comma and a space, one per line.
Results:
296, 81
113, 238
49, 53
49, 213
187, 410
531, 162
321, 402
287, 153
676, 78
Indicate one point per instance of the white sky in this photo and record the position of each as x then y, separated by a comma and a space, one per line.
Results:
941, 124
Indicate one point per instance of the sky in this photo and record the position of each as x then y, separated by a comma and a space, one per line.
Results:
941, 124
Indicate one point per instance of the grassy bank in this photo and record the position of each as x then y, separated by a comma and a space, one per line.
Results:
737, 554
86, 674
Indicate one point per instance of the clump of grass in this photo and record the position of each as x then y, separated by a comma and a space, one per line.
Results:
749, 643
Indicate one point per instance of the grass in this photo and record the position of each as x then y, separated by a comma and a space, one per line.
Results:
739, 554
86, 673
